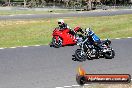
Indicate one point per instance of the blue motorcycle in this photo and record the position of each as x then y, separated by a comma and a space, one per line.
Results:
92, 47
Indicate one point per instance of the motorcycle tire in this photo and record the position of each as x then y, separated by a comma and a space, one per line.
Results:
51, 45
57, 44
80, 57
108, 55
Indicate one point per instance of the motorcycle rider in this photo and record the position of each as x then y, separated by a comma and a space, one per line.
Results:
93, 38
63, 26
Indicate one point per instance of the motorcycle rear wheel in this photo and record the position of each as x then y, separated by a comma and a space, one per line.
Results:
80, 57
109, 55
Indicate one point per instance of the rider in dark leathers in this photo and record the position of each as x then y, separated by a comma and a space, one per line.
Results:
93, 38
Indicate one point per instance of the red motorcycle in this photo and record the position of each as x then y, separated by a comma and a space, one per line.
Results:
63, 37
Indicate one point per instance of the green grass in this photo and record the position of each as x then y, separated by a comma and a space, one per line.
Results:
39, 31
14, 12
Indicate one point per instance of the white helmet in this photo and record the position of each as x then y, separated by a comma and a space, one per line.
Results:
60, 21
89, 31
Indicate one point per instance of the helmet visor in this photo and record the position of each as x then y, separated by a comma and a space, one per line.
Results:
59, 22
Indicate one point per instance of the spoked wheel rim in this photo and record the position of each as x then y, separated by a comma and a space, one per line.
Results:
58, 43
110, 55
79, 56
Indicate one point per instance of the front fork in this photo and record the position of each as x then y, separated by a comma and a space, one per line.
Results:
82, 50
57, 38
82, 46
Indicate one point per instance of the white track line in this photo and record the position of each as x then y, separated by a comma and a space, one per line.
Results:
67, 86
86, 84
13, 47
11, 15
29, 14
1, 48
117, 38
36, 45
25, 46
129, 37
56, 13
75, 86
19, 47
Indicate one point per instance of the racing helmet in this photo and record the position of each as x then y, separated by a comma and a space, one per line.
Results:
60, 22
89, 32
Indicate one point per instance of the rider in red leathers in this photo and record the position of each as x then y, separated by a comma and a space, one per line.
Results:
63, 26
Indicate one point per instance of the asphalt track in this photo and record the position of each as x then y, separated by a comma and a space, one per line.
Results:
45, 67
74, 14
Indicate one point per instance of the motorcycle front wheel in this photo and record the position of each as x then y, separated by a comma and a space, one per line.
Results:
80, 57
56, 43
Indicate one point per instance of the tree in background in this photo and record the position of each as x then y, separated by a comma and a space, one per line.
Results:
6, 2
65, 3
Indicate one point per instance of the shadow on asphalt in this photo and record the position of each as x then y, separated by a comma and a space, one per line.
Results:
74, 58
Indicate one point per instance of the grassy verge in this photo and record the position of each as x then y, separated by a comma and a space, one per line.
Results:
15, 12
32, 32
